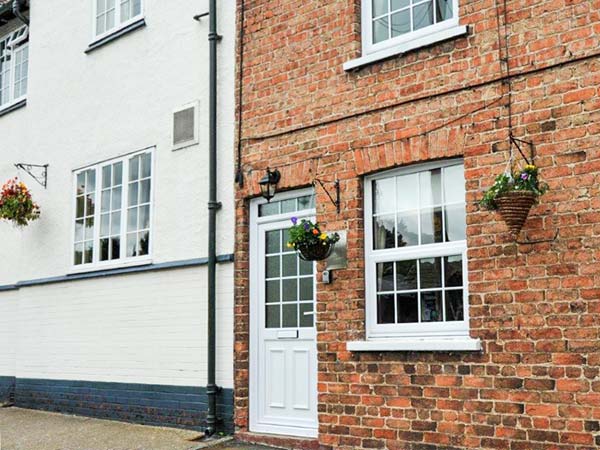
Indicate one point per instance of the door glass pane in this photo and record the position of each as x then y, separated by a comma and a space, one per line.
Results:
272, 316
273, 291
273, 242
290, 265
290, 290
306, 288
272, 266
290, 315
306, 314
288, 205
306, 267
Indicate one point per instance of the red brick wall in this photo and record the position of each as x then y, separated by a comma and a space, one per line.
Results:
536, 307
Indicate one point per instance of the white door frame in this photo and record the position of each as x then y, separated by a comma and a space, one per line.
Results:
255, 311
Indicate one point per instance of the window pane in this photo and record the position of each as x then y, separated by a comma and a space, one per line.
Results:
100, 24
110, 18
272, 288
408, 228
306, 202
288, 205
125, 8
117, 174
90, 204
116, 198
268, 209
132, 245
273, 241
401, 22
384, 195
454, 305
431, 187
408, 308
453, 272
144, 242
406, 275
385, 277
272, 267
431, 306
137, 8
454, 184
104, 224
290, 265
132, 215
272, 313
115, 226
290, 315
443, 10
431, 272
104, 250
90, 181
115, 245
407, 192
106, 176
134, 168
78, 254
385, 308
380, 30
422, 15
456, 226
133, 194
285, 238
383, 232
397, 4
80, 206
146, 165
80, 183
88, 252
105, 201
380, 7
89, 228
79, 230
144, 212
290, 290
431, 225
306, 288
100, 6
306, 314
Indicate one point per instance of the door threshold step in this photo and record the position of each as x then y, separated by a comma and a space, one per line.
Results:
278, 441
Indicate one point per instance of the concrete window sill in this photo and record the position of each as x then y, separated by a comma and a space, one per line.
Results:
116, 35
464, 344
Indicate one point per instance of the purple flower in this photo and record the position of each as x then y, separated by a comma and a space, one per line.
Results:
306, 226
294, 220
524, 176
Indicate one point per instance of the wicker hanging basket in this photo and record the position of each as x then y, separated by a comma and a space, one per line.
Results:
315, 252
514, 208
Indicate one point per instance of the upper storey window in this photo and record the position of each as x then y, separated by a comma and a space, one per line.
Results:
111, 15
392, 27
14, 62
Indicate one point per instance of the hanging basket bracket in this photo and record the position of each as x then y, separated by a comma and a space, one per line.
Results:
39, 172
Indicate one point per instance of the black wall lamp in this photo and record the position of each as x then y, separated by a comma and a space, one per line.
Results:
268, 184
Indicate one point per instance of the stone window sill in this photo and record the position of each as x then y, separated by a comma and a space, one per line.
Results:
443, 35
116, 35
463, 344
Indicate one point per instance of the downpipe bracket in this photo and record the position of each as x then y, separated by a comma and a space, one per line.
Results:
215, 205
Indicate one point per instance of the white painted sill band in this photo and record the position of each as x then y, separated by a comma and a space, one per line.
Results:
464, 344
424, 41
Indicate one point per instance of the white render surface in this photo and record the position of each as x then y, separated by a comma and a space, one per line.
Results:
83, 108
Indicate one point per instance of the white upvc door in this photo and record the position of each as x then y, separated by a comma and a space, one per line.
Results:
283, 351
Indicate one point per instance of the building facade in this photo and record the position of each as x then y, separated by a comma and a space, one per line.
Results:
103, 300
441, 331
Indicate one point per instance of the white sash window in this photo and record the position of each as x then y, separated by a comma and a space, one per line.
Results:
14, 63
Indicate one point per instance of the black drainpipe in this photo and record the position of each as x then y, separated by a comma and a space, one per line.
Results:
16, 7
212, 389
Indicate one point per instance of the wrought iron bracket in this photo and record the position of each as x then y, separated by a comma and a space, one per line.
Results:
39, 172
336, 185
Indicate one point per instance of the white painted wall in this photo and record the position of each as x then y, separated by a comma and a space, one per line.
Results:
85, 108
8, 332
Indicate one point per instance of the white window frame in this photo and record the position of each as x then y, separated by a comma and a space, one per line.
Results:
123, 261
431, 34
439, 330
14, 42
118, 25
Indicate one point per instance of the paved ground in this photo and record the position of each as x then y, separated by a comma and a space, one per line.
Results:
23, 429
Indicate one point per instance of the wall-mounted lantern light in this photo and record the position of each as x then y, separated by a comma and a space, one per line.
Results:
268, 184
